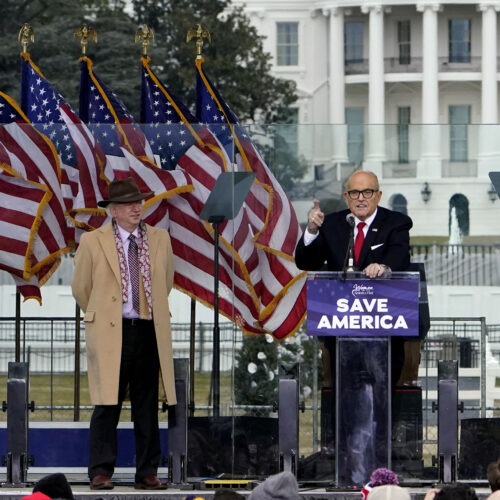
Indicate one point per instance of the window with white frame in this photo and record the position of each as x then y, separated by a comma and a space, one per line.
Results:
353, 41
287, 44
404, 42
403, 134
459, 40
459, 119
354, 118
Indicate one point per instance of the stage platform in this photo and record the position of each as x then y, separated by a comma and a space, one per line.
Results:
124, 490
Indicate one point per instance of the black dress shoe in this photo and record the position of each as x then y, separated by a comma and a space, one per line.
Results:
101, 482
150, 482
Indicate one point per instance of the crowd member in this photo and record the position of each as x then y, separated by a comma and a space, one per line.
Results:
122, 278
493, 475
55, 486
389, 492
379, 477
453, 491
282, 486
51, 487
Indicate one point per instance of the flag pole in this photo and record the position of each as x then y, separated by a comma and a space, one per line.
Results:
18, 327
199, 34
192, 330
216, 220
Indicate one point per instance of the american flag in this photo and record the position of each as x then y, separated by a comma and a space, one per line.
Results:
33, 235
83, 160
168, 124
127, 149
111, 123
182, 142
281, 285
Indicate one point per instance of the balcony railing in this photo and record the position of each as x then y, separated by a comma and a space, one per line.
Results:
414, 65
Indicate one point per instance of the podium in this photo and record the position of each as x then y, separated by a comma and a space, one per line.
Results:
355, 317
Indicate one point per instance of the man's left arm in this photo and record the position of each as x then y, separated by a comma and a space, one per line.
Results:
397, 246
392, 250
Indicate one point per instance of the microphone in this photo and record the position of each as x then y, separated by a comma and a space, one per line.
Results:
350, 220
349, 257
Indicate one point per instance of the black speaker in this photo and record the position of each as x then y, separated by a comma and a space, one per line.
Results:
407, 430
479, 446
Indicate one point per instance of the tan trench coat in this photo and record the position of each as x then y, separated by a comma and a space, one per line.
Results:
96, 286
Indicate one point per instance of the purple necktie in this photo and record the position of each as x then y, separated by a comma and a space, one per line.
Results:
133, 269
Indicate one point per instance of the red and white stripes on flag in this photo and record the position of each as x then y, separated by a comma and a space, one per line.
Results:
91, 182
22, 205
261, 292
32, 234
279, 284
34, 158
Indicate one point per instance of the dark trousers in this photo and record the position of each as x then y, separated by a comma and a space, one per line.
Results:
139, 372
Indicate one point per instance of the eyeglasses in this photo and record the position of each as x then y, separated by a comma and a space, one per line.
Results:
366, 193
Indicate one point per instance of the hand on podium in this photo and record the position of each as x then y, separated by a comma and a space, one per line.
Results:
376, 270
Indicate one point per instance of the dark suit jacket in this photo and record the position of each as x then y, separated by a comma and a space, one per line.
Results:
387, 242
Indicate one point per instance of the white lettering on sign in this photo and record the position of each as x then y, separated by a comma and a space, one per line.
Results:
362, 305
363, 322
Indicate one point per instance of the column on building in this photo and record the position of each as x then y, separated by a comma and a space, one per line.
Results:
488, 144
429, 164
337, 84
375, 153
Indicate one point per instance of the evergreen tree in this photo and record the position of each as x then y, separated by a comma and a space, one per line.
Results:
261, 361
56, 50
255, 377
235, 59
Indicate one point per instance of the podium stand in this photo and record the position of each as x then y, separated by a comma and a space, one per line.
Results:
355, 317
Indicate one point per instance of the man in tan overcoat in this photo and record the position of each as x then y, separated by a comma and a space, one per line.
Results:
127, 327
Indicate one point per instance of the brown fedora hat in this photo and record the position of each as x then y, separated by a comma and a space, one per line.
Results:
124, 191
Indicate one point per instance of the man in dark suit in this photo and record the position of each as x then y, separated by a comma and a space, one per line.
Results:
386, 245
382, 244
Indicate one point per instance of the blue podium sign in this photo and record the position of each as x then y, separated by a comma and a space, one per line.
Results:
363, 307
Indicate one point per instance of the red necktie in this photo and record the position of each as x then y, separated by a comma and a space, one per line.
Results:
358, 242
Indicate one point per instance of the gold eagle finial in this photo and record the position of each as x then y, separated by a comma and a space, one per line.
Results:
26, 36
200, 34
146, 35
84, 33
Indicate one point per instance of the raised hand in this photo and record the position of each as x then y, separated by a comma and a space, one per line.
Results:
315, 217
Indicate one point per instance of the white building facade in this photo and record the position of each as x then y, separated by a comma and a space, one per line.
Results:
406, 89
